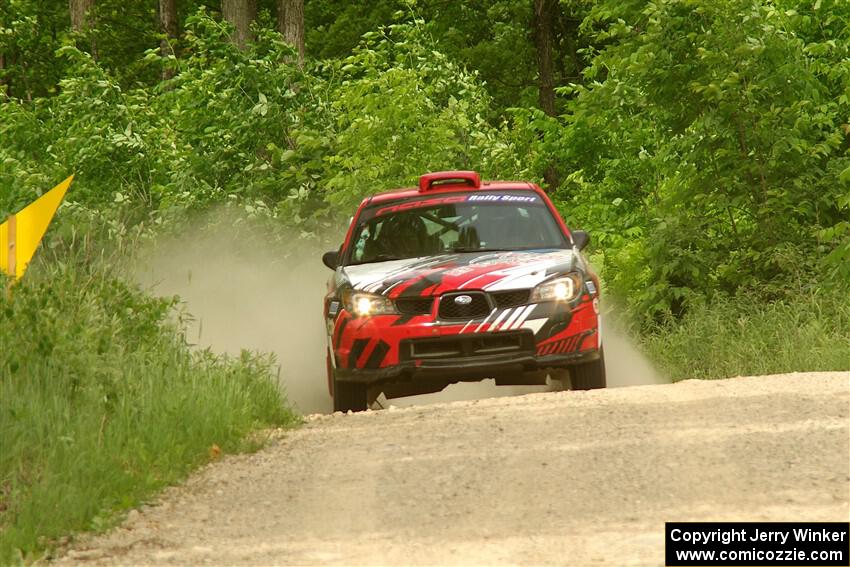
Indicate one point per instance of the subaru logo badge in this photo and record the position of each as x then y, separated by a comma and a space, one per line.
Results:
463, 300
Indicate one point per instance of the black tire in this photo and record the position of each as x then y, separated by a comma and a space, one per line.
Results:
349, 396
590, 375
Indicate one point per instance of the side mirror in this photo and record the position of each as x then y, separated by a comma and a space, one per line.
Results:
580, 239
331, 259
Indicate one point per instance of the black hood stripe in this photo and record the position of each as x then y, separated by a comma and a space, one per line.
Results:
397, 275
417, 288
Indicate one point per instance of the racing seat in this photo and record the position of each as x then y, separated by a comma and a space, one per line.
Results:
504, 229
468, 238
402, 235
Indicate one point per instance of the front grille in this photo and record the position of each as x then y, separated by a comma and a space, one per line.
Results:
511, 298
415, 305
450, 309
463, 346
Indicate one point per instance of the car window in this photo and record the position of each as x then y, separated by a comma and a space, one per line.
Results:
429, 226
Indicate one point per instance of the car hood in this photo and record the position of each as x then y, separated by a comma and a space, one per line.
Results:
433, 275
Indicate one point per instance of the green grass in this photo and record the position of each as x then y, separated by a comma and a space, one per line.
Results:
102, 403
745, 336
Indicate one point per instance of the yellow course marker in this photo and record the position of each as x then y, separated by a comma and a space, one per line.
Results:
21, 234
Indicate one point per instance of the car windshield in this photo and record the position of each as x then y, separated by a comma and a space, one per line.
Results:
468, 222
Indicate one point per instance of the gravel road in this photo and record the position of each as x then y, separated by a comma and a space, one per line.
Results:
566, 478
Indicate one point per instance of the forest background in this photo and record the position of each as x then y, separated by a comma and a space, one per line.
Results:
704, 144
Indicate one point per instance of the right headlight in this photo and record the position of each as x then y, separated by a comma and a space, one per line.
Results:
562, 289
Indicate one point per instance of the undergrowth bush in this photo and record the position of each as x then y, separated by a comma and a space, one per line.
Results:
745, 336
103, 402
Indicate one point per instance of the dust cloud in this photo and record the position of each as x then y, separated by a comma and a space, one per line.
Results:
625, 365
246, 290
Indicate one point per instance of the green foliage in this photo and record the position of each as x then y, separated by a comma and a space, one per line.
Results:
32, 31
29, 36
333, 28
102, 402
250, 128
121, 33
494, 39
223, 117
490, 37
401, 108
203, 139
711, 139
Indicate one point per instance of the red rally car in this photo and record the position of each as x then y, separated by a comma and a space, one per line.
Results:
459, 280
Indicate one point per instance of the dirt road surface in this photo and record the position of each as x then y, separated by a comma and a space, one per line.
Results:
566, 478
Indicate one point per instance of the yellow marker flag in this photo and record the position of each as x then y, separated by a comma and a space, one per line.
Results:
22, 233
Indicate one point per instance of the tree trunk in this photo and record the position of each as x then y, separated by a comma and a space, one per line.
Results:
4, 87
545, 12
290, 23
544, 21
82, 19
80, 14
4, 84
240, 13
168, 27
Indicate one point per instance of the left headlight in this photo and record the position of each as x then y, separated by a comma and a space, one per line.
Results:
563, 289
367, 304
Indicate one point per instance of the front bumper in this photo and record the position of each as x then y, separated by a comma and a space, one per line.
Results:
508, 344
461, 369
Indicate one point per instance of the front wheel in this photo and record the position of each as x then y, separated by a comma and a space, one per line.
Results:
590, 375
349, 396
